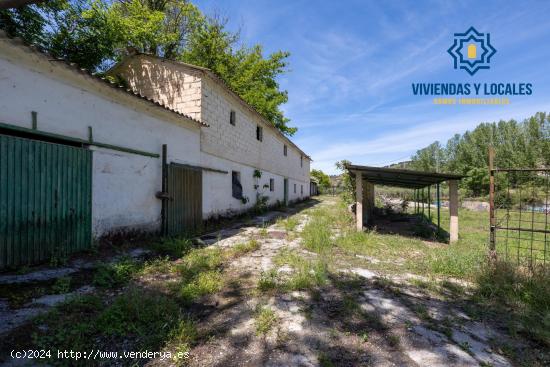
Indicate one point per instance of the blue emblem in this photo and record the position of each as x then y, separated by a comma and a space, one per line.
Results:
471, 50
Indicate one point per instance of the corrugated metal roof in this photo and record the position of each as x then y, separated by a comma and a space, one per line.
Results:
401, 177
86, 73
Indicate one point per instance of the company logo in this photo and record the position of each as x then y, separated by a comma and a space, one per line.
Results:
471, 50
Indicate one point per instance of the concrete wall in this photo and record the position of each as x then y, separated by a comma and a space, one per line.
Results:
238, 143
223, 146
124, 185
163, 81
217, 187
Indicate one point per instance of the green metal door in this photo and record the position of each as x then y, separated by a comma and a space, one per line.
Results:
286, 191
45, 200
183, 206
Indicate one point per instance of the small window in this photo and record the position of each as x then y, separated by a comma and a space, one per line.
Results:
259, 133
271, 184
301, 189
301, 161
285, 152
232, 117
236, 185
294, 188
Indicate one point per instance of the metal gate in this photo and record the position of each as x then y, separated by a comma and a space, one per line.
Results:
45, 200
519, 200
183, 205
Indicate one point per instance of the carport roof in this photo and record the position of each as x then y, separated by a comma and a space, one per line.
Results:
400, 177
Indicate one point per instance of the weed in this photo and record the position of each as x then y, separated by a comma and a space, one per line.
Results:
263, 232
62, 285
393, 340
524, 294
267, 281
198, 261
289, 224
243, 248
364, 337
117, 274
207, 282
307, 274
316, 233
265, 319
161, 265
465, 346
324, 360
173, 247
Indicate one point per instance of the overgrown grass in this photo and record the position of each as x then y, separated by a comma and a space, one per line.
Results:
316, 234
244, 248
200, 273
138, 319
117, 274
289, 223
268, 281
523, 296
265, 319
203, 283
173, 247
307, 273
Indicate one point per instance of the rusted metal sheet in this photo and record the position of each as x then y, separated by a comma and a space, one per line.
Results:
45, 200
183, 207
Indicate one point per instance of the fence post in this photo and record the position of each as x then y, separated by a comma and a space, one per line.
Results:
359, 201
492, 220
453, 211
164, 187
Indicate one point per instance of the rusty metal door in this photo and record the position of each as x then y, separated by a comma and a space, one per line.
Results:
45, 200
183, 205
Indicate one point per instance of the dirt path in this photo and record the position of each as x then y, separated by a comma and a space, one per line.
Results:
360, 317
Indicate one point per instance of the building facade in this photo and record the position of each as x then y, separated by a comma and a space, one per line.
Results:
81, 158
238, 139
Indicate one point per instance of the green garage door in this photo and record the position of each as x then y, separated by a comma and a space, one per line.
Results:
183, 208
45, 200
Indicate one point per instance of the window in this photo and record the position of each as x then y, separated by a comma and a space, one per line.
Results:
285, 152
301, 189
294, 188
259, 133
301, 161
236, 185
271, 184
232, 117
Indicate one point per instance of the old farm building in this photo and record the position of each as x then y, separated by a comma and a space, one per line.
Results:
81, 157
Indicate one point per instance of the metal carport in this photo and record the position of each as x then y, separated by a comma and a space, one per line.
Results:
366, 177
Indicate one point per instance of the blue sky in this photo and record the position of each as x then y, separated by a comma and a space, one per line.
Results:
352, 64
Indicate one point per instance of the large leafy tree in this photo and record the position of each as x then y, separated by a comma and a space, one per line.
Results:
517, 144
96, 33
246, 70
322, 178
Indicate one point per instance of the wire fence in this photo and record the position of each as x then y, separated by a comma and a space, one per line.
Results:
520, 207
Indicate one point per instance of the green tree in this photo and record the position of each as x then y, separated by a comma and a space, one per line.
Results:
95, 34
322, 178
517, 144
348, 182
251, 75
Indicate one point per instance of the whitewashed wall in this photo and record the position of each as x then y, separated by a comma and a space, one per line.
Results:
224, 146
217, 187
238, 143
124, 185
